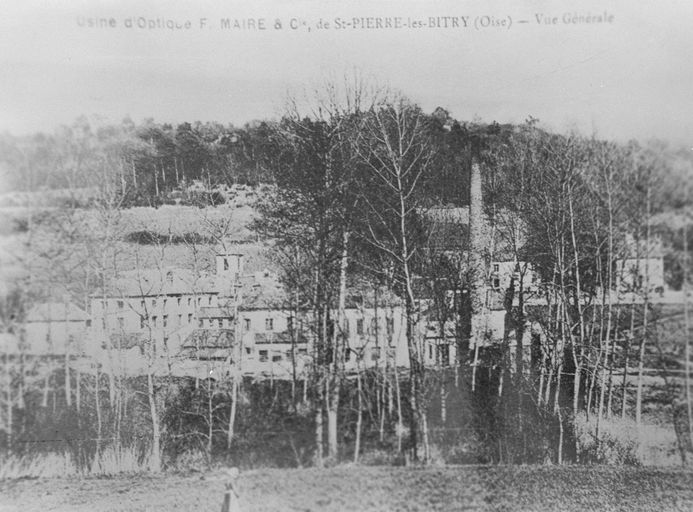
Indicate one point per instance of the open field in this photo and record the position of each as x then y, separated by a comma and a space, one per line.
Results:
482, 488
229, 222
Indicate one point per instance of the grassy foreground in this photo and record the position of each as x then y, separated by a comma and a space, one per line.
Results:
494, 488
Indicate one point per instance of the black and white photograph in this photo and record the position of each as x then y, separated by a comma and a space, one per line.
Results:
416, 255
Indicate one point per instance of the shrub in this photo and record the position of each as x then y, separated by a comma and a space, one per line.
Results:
621, 441
114, 460
49, 465
190, 460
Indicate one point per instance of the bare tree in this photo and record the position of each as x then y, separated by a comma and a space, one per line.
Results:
396, 155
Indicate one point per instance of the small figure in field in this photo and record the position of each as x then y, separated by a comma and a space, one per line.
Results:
231, 503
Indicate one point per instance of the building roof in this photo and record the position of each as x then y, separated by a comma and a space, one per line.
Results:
126, 341
280, 337
156, 282
56, 312
209, 339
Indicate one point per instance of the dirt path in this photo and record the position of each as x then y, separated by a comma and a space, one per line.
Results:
369, 489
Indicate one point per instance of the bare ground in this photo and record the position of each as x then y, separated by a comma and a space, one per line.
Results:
479, 488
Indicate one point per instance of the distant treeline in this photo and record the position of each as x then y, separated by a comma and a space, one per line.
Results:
147, 237
144, 164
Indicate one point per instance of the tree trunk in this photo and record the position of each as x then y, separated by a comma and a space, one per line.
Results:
8, 387
97, 405
549, 380
576, 381
643, 341
337, 355
443, 400
46, 385
155, 462
175, 166
475, 364
111, 383
560, 433
610, 399
542, 377
68, 387
332, 445
557, 396
134, 175
232, 413
210, 419
641, 366
626, 350
608, 360
318, 433
359, 418
156, 180
686, 330
383, 406
400, 423
78, 390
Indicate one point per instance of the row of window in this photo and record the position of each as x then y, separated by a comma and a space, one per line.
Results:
269, 325
264, 355
154, 321
213, 323
179, 302
375, 353
164, 320
495, 279
443, 352
247, 323
389, 326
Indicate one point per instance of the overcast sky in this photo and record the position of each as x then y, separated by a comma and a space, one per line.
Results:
629, 78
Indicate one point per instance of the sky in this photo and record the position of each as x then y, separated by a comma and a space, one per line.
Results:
631, 77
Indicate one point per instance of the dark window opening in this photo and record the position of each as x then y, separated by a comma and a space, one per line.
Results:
390, 326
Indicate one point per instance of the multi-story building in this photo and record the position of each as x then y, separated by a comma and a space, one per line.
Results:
278, 340
163, 306
247, 322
